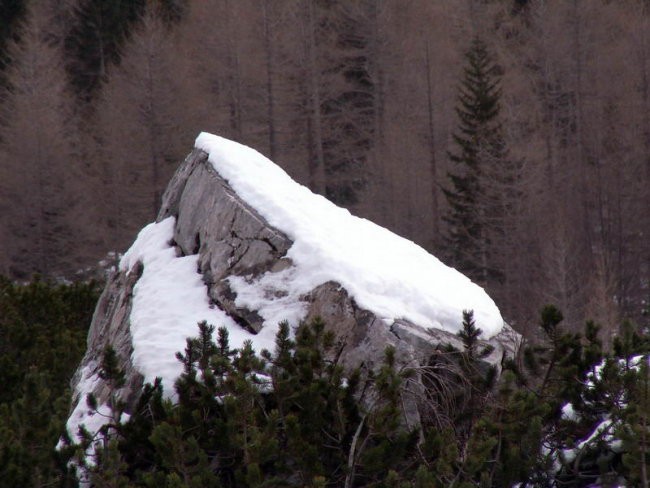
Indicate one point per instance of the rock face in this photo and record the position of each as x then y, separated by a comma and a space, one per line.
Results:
232, 239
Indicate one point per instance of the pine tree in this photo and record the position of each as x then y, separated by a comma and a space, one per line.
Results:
10, 13
42, 332
93, 42
97, 34
635, 429
469, 334
115, 379
474, 202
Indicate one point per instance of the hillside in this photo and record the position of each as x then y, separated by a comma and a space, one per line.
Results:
359, 102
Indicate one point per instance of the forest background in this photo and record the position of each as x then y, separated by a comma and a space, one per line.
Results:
358, 100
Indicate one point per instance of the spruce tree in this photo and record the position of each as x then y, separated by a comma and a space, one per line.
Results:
97, 33
10, 13
474, 197
469, 334
635, 426
43, 327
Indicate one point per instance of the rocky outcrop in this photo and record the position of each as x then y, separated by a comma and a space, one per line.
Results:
232, 239
366, 336
110, 326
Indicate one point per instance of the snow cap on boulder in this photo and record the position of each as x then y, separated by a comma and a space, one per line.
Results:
239, 244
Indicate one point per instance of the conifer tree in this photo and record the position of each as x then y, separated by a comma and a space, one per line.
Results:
94, 39
469, 334
42, 336
97, 34
115, 379
474, 201
10, 13
635, 430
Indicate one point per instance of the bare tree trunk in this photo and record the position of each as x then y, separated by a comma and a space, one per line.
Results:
376, 73
433, 167
352, 454
383, 203
36, 153
41, 215
152, 136
102, 51
645, 105
270, 92
644, 428
317, 175
644, 88
235, 76
581, 160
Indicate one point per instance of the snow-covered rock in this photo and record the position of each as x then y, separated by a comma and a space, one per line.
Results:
238, 243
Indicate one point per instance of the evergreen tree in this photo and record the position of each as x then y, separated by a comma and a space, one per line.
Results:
97, 33
475, 202
10, 12
469, 334
635, 428
292, 418
245, 420
42, 338
115, 379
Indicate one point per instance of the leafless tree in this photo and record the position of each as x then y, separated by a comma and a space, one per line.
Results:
356, 100
144, 130
38, 165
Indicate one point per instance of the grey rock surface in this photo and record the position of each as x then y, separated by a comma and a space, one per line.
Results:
110, 326
231, 238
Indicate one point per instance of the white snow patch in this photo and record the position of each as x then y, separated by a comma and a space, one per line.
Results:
91, 421
169, 300
568, 412
385, 273
602, 431
82, 415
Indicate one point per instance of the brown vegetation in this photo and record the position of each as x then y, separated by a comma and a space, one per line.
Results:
357, 100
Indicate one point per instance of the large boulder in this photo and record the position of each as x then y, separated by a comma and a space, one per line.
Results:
225, 249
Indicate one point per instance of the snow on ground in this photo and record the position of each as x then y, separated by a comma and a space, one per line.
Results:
603, 431
387, 274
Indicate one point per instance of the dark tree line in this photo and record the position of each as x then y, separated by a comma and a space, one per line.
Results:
97, 32
295, 417
43, 328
